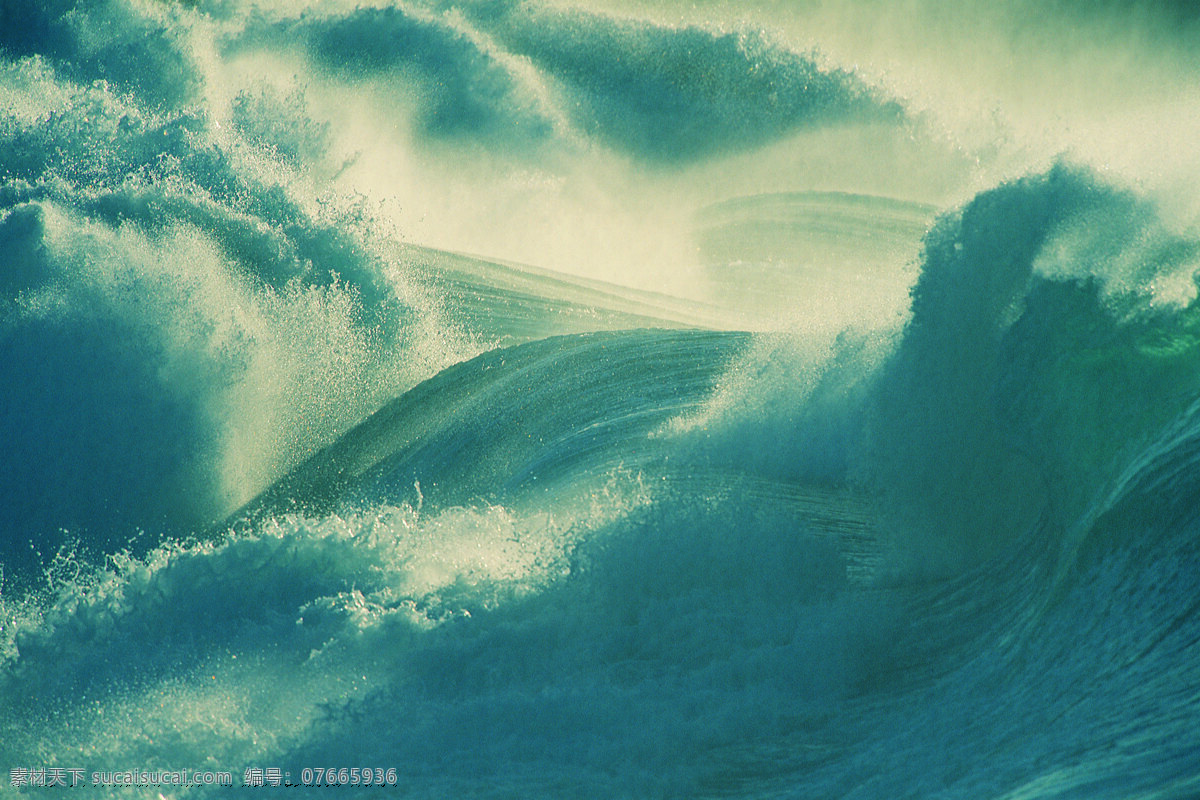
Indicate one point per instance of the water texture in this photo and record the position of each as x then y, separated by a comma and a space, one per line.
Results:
607, 400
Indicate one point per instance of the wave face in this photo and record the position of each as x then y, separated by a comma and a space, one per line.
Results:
624, 401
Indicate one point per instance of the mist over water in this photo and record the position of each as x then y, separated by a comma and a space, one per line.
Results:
617, 399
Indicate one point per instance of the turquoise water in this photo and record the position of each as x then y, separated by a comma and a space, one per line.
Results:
619, 400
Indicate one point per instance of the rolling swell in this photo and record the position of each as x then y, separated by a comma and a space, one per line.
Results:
439, 442
636, 85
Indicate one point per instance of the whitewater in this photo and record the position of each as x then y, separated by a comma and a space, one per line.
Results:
620, 399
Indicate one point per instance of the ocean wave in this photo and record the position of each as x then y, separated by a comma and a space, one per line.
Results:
619, 401
1040, 358
668, 94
